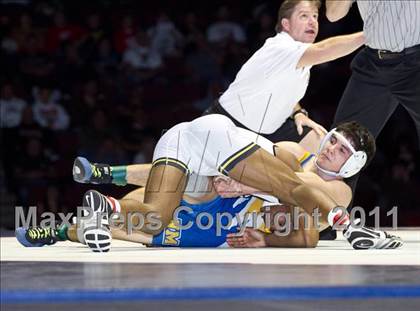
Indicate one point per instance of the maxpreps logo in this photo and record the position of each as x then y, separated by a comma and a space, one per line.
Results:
172, 234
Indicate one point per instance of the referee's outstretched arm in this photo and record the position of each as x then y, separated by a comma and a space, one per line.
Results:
330, 49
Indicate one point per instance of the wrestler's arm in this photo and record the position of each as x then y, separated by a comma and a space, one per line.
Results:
307, 235
337, 9
136, 237
303, 237
339, 191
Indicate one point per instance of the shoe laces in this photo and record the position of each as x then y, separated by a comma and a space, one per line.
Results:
39, 233
96, 171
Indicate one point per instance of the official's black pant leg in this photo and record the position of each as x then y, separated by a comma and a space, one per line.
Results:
406, 87
366, 99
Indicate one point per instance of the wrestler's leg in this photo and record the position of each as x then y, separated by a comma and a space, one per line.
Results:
263, 171
133, 197
162, 196
303, 231
100, 173
295, 232
72, 234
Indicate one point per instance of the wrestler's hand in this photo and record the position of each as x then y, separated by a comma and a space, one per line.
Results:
301, 120
227, 187
250, 238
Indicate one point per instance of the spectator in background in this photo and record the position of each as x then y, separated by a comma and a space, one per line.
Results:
262, 29
124, 34
62, 32
145, 153
48, 113
11, 107
134, 121
34, 63
12, 112
140, 53
105, 60
141, 61
203, 62
89, 99
29, 129
95, 32
190, 27
167, 40
213, 91
103, 84
34, 178
95, 133
70, 67
24, 29
224, 29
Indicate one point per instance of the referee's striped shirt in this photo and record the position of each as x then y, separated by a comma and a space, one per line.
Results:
391, 25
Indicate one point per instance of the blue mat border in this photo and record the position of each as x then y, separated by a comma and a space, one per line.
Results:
206, 293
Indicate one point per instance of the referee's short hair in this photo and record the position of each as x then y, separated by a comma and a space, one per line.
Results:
287, 8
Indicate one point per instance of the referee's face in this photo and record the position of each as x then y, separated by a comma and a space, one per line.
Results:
303, 23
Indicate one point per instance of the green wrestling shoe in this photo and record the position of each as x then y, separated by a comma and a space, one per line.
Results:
36, 236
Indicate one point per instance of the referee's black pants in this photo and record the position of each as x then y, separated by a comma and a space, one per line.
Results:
376, 88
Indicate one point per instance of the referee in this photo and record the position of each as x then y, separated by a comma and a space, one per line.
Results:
386, 73
264, 97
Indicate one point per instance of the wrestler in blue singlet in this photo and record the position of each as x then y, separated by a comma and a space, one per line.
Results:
194, 236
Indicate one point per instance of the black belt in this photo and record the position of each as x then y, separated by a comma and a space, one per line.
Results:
217, 108
384, 54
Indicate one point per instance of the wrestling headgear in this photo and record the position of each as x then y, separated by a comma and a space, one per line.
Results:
353, 164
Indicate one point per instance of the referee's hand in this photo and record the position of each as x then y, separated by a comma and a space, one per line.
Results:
302, 120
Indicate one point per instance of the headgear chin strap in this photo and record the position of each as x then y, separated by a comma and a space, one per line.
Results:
353, 164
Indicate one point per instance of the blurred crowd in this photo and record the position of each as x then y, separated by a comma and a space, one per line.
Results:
104, 79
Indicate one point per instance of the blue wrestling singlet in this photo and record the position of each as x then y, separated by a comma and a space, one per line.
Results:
207, 214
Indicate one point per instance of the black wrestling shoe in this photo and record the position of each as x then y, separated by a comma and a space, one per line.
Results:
94, 173
369, 238
96, 232
36, 236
